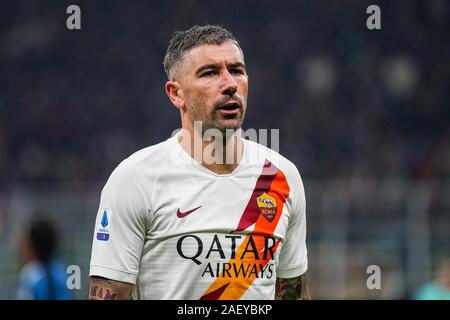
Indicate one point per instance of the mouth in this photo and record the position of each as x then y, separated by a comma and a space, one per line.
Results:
231, 107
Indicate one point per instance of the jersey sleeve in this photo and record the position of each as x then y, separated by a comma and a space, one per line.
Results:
293, 260
120, 229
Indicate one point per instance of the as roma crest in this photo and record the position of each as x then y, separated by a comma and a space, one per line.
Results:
267, 206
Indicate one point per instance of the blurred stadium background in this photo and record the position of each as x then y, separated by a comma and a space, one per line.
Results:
364, 115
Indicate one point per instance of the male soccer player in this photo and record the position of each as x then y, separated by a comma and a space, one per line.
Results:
196, 217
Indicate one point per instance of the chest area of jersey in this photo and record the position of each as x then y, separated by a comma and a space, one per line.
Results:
257, 202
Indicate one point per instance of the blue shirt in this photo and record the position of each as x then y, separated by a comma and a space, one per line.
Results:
34, 282
433, 291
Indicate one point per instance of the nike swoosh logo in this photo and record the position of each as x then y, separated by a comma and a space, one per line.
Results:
185, 214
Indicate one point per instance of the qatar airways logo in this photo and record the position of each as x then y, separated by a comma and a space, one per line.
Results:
221, 256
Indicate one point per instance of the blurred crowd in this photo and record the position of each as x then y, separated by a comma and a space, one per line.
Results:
349, 102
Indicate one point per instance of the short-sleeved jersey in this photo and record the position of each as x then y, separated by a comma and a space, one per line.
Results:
179, 231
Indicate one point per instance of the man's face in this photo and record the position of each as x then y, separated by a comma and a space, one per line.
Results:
214, 85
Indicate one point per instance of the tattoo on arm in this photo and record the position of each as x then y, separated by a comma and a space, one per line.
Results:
105, 289
292, 289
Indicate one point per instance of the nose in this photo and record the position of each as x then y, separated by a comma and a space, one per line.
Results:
229, 84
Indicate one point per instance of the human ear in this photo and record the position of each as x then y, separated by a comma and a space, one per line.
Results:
175, 94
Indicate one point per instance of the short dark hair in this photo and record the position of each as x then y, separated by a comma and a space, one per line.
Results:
183, 41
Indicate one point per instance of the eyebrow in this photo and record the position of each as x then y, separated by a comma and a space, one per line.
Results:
217, 66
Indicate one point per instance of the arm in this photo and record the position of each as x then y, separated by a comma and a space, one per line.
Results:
106, 289
292, 289
122, 214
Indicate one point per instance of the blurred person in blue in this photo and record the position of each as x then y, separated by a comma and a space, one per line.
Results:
439, 287
42, 277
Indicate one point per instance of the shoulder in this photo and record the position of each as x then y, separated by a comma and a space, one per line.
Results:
287, 168
31, 273
261, 153
142, 163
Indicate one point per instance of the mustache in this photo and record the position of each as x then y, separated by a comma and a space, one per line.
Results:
227, 99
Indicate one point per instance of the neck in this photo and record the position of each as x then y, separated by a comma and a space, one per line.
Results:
219, 152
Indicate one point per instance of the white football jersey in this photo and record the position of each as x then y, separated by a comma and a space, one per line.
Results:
179, 231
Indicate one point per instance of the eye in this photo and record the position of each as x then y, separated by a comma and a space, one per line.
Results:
237, 71
209, 73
